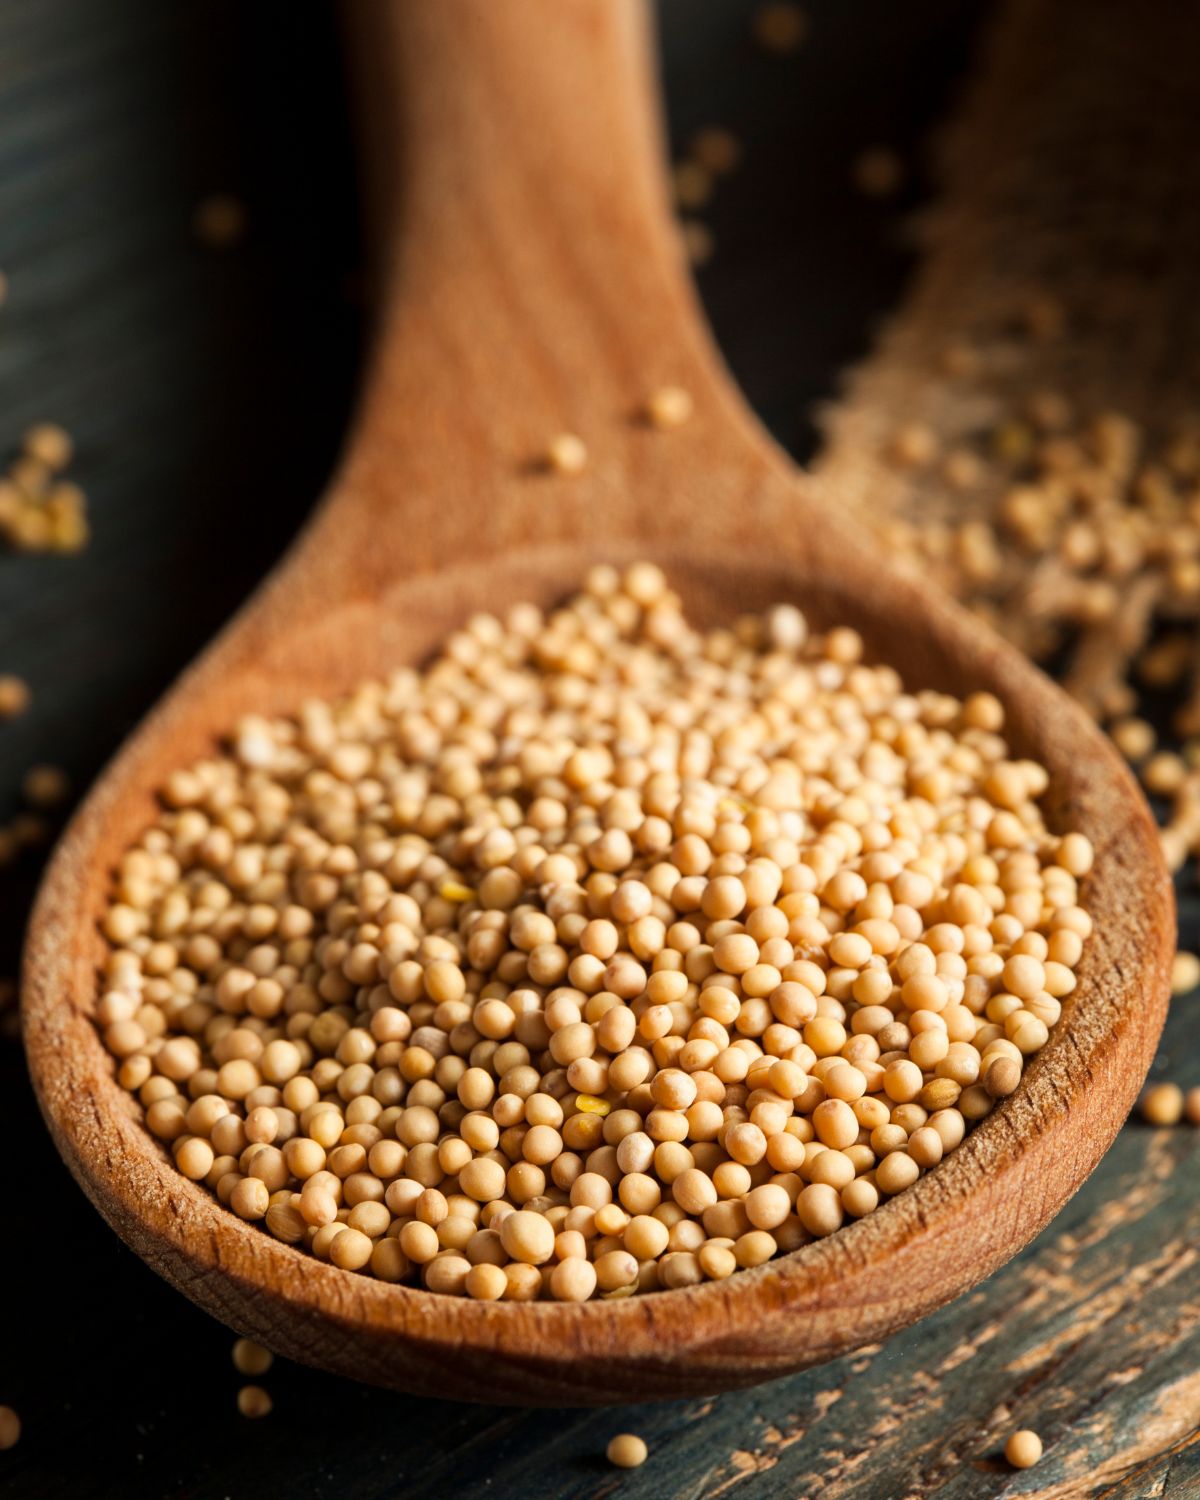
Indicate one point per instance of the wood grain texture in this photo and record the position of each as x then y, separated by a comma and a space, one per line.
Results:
532, 282
219, 410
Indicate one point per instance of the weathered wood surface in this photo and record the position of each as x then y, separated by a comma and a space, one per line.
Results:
207, 396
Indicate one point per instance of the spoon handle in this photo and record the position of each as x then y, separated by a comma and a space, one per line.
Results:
531, 282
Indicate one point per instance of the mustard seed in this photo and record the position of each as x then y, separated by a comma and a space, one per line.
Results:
670, 406
14, 696
697, 240
49, 444
1162, 1104
586, 962
219, 221
716, 149
627, 1451
10, 1428
250, 1358
1185, 973
566, 454
1023, 1449
45, 786
254, 1402
878, 172
779, 26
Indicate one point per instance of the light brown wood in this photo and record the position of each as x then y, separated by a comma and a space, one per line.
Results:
532, 284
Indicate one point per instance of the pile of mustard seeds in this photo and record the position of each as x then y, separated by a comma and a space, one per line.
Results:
40, 510
603, 955
1074, 531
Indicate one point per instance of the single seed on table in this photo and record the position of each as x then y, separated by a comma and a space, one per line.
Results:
250, 1358
1023, 1449
254, 1402
219, 221
45, 786
14, 696
717, 149
698, 241
627, 1451
1162, 1104
10, 1428
49, 444
566, 454
1185, 973
692, 183
878, 172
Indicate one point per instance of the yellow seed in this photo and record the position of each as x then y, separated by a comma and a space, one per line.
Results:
49, 444
1162, 1104
14, 696
627, 1451
454, 890
254, 1402
566, 454
1023, 1449
250, 1358
1185, 973
591, 1105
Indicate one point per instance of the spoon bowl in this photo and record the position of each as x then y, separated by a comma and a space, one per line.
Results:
533, 285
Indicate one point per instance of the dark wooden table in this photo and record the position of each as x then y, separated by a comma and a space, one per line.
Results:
207, 392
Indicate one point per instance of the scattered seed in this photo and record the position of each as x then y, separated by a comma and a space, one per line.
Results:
1162, 1104
1185, 973
1191, 1106
45, 786
698, 241
779, 26
717, 150
49, 444
254, 1402
627, 1451
250, 1358
878, 172
219, 221
1023, 1449
692, 184
14, 696
40, 512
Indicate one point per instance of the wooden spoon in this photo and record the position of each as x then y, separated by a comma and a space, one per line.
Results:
534, 285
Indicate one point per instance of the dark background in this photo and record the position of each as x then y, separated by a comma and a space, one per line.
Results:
207, 392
